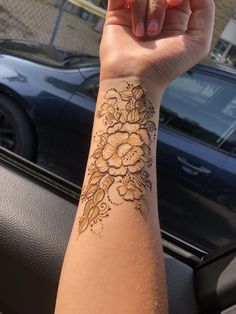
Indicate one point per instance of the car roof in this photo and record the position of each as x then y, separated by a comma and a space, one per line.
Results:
216, 68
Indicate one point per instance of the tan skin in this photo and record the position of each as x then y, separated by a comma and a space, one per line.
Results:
114, 261
182, 40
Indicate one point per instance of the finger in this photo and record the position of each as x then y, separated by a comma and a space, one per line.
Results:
201, 22
183, 5
177, 18
116, 4
155, 16
139, 13
174, 3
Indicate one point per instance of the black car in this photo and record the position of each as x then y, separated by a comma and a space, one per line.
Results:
38, 84
47, 103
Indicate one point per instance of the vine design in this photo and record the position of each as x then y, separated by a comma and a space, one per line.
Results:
122, 154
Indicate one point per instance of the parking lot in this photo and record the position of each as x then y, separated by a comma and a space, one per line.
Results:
35, 20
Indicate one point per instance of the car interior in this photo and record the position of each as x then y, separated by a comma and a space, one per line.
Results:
37, 209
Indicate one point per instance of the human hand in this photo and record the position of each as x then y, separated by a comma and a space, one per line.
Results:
155, 39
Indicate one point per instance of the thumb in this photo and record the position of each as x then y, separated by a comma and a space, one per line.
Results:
116, 4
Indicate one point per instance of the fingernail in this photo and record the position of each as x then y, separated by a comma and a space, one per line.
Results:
153, 28
129, 3
140, 30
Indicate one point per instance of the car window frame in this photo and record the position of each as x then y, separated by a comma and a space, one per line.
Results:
232, 144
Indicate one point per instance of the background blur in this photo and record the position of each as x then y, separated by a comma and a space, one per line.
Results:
67, 24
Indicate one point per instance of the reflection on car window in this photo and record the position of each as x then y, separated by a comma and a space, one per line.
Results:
230, 109
200, 106
194, 88
90, 87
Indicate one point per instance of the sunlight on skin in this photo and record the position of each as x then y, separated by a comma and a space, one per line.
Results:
116, 264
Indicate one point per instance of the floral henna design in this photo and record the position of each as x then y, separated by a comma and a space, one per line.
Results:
122, 155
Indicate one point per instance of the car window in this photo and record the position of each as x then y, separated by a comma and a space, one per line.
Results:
230, 109
200, 106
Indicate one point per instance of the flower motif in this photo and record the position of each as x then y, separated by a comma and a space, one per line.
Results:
108, 107
138, 92
132, 97
120, 157
124, 150
130, 191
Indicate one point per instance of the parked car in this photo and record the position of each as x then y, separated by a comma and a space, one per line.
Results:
47, 103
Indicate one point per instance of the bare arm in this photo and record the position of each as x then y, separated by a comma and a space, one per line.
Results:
114, 261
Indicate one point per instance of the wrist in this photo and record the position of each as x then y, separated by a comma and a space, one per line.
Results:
152, 90
112, 67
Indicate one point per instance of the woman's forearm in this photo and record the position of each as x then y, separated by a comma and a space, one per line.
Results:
114, 261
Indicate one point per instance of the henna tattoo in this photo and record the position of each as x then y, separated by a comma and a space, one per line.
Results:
122, 155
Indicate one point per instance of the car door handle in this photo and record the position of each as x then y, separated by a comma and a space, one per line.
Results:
201, 169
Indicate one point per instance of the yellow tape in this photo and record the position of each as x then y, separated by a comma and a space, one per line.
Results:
92, 8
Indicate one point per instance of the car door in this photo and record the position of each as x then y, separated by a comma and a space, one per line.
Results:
36, 214
192, 129
71, 146
218, 202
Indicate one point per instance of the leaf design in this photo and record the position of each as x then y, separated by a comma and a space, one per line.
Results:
107, 182
100, 114
99, 196
85, 220
97, 154
95, 178
91, 189
126, 95
83, 224
112, 101
103, 139
133, 116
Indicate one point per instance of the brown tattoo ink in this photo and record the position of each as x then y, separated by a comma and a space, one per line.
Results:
122, 155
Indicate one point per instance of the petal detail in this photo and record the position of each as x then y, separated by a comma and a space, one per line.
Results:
115, 161
117, 172
116, 127
108, 151
101, 164
133, 156
135, 140
124, 116
133, 116
138, 92
117, 139
123, 150
122, 190
130, 127
126, 95
136, 168
144, 136
129, 196
137, 194
112, 101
